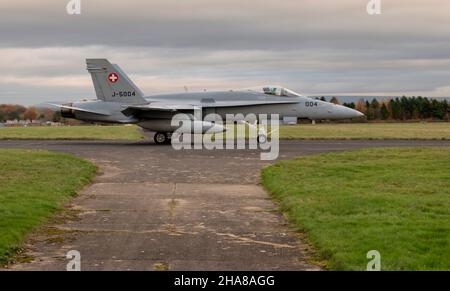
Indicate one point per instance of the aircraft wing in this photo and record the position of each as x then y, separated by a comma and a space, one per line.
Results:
247, 103
172, 107
80, 109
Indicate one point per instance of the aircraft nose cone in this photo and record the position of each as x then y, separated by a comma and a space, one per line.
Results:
357, 113
346, 112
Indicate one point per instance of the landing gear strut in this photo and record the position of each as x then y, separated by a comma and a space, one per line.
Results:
162, 137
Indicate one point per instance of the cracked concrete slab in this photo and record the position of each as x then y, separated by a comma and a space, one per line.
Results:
219, 226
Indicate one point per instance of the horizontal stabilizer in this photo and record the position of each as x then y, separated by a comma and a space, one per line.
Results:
80, 109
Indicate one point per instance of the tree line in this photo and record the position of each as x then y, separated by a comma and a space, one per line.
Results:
404, 108
19, 112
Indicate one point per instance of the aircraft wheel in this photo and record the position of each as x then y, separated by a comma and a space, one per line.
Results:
161, 138
262, 138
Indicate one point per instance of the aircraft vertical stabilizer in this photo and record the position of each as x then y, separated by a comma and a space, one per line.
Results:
112, 84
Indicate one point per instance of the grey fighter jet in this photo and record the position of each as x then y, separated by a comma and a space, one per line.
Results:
119, 100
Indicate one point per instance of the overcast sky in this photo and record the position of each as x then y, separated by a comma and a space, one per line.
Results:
312, 46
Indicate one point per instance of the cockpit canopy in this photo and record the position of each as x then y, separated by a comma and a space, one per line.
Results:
275, 90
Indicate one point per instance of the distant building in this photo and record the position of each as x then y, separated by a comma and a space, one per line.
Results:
17, 123
51, 123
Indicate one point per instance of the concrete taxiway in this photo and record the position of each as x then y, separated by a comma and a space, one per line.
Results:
154, 208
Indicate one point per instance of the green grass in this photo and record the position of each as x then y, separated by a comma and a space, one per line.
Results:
405, 131
435, 130
396, 201
33, 185
432, 130
72, 132
354, 131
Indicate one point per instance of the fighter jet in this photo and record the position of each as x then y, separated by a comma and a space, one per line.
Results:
119, 100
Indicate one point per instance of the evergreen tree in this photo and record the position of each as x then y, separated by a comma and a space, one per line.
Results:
426, 108
439, 109
375, 106
395, 109
334, 100
384, 112
369, 111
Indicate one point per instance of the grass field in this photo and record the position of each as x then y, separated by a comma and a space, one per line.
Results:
305, 131
396, 201
72, 132
434, 130
33, 185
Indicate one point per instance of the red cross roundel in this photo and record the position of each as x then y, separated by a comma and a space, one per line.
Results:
113, 77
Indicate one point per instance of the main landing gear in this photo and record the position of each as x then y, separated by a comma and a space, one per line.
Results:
162, 137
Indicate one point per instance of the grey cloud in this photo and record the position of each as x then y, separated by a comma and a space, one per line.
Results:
315, 46
220, 24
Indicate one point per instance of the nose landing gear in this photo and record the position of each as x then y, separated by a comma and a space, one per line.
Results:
262, 138
262, 135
